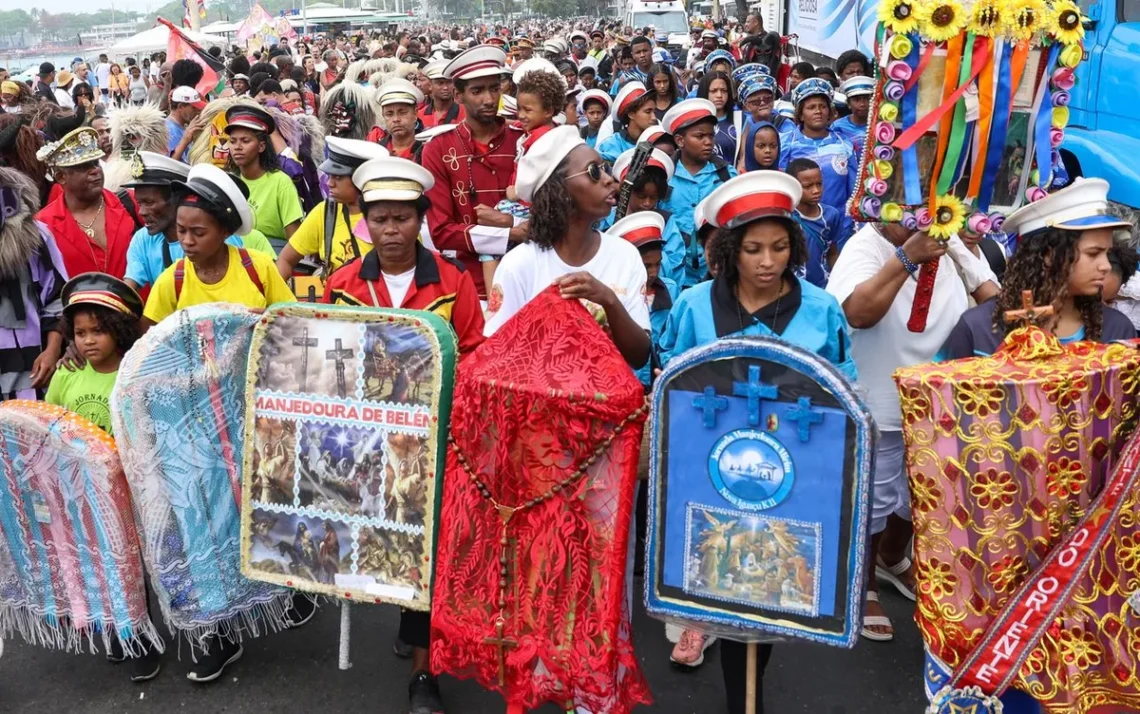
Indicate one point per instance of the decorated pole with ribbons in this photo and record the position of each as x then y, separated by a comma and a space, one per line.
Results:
967, 117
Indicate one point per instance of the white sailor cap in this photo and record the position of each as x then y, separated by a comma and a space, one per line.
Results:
535, 64
543, 157
657, 158
644, 229
346, 155
399, 91
686, 113
509, 107
751, 69
434, 69
206, 182
709, 35
784, 108
858, 86
756, 194
597, 95
579, 35
630, 93
392, 179
654, 134
1081, 206
151, 169
479, 61
573, 92
700, 220
555, 46
588, 63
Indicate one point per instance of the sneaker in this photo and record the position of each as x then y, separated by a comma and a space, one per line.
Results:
301, 612
423, 695
690, 650
146, 668
210, 666
402, 649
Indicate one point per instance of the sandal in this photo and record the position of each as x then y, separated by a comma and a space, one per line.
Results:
876, 621
893, 575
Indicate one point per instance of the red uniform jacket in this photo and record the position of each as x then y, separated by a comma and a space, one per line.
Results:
80, 254
465, 176
430, 118
439, 286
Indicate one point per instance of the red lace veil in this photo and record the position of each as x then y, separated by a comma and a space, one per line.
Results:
547, 420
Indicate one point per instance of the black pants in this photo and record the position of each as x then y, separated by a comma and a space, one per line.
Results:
734, 665
415, 628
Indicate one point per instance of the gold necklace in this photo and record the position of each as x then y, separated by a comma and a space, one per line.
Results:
88, 229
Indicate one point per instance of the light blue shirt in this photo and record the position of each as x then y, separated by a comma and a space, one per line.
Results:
836, 159
672, 255
614, 146
144, 256
686, 192
176, 131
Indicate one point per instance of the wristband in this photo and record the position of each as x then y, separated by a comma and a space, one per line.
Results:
907, 262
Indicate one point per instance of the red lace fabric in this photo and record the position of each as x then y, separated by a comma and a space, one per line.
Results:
531, 405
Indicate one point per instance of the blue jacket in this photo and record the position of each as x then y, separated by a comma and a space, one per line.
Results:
808, 317
614, 146
686, 191
830, 228
836, 159
857, 135
673, 255
665, 293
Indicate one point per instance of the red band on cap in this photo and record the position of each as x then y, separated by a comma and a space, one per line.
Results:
689, 118
641, 236
633, 97
754, 205
461, 72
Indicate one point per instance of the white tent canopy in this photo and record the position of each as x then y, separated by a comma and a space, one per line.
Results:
155, 40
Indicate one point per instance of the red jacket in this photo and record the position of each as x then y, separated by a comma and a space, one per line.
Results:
439, 286
80, 253
465, 176
428, 117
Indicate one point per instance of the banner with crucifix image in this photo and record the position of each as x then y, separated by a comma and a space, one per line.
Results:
760, 483
341, 476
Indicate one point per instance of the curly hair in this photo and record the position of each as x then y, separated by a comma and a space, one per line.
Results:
853, 57
549, 88
124, 329
1124, 261
725, 252
550, 211
1042, 264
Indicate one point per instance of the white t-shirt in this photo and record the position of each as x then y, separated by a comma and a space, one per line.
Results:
527, 270
63, 98
103, 75
880, 350
398, 285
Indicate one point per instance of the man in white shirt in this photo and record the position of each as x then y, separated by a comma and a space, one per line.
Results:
875, 279
103, 77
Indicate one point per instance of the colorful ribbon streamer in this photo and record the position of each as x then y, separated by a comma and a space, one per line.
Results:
986, 91
912, 180
957, 140
1044, 122
977, 62
996, 143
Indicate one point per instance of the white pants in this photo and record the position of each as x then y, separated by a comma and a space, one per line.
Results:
891, 494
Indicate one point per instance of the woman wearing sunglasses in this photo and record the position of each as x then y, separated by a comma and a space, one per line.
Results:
569, 190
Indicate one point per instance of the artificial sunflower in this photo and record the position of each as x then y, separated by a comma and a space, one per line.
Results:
1067, 25
987, 19
901, 16
1025, 18
949, 217
942, 20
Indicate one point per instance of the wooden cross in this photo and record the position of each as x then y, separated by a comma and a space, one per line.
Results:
1029, 313
304, 342
340, 354
503, 644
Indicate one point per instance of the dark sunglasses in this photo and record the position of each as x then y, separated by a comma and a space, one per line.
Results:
594, 170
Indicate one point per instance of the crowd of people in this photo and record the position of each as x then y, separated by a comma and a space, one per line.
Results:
482, 166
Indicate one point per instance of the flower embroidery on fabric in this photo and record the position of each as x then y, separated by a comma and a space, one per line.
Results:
994, 489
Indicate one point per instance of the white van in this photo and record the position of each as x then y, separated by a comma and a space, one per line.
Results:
667, 18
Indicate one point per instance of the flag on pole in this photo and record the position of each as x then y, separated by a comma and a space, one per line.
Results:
179, 46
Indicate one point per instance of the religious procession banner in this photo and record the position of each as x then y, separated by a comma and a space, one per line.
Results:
259, 30
530, 595
1025, 513
759, 490
347, 412
178, 409
968, 114
71, 573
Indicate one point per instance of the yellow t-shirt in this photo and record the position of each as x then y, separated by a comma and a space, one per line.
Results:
310, 237
275, 203
235, 287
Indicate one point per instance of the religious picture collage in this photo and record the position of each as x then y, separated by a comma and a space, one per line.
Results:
341, 478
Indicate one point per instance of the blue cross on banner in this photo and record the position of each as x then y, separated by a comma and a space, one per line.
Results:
754, 390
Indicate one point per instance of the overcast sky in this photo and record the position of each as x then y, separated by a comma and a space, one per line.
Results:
136, 5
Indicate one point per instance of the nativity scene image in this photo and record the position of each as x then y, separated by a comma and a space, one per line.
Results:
342, 469
399, 365
762, 562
